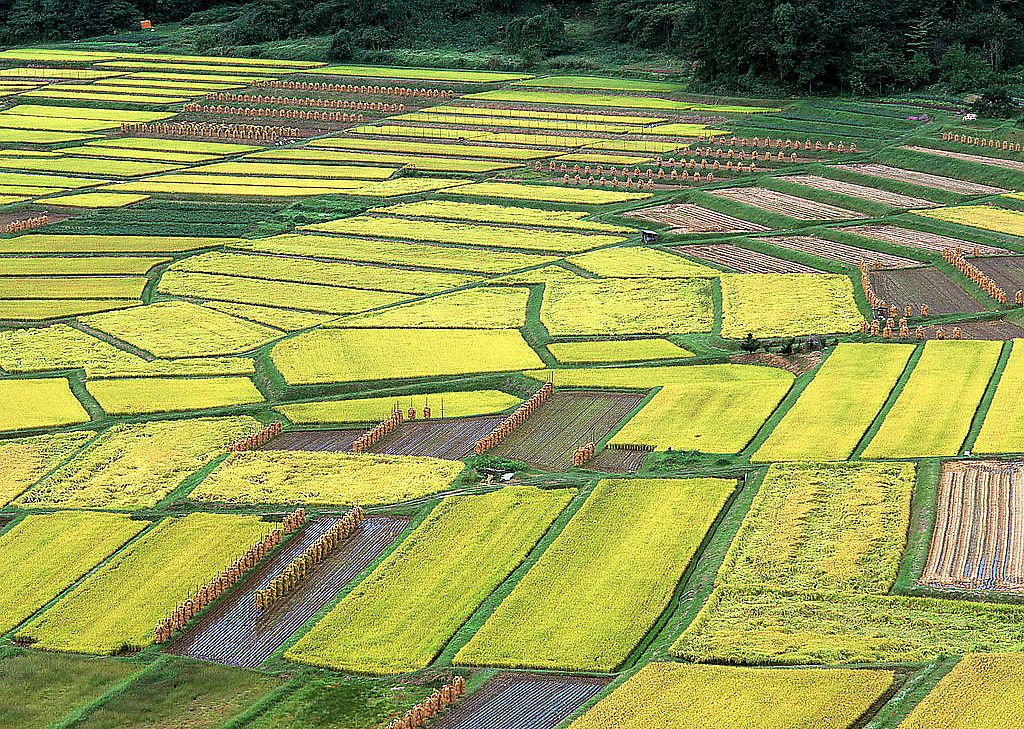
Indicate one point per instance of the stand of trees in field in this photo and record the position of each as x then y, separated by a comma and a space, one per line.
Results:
808, 46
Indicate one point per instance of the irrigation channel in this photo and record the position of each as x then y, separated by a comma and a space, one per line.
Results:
236, 633
522, 701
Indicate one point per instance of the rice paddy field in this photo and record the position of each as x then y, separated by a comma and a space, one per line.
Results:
625, 406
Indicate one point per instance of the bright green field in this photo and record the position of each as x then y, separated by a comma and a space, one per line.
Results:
144, 395
705, 415
40, 403
118, 606
854, 542
627, 306
979, 693
628, 350
181, 329
787, 304
44, 554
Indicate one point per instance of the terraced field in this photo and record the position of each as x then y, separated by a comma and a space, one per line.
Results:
523, 701
741, 260
784, 204
450, 438
352, 396
923, 285
851, 189
688, 218
834, 251
924, 179
922, 240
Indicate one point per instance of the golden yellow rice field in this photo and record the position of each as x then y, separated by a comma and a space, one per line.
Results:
39, 403
338, 479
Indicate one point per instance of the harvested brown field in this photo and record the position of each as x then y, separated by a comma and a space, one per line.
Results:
924, 179
237, 633
690, 218
978, 540
782, 203
997, 330
1007, 271
921, 240
26, 213
840, 251
315, 440
1010, 164
796, 364
617, 460
927, 285
522, 701
566, 421
741, 260
449, 438
882, 197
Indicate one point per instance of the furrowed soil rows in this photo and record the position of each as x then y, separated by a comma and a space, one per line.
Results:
840, 251
51, 218
1010, 164
742, 260
978, 542
782, 204
449, 438
315, 440
522, 701
992, 330
924, 179
690, 218
568, 420
916, 286
864, 192
237, 633
921, 240
618, 460
1007, 271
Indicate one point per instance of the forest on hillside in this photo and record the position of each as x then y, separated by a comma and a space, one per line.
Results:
759, 46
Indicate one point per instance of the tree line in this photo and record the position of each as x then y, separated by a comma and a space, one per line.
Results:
867, 47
